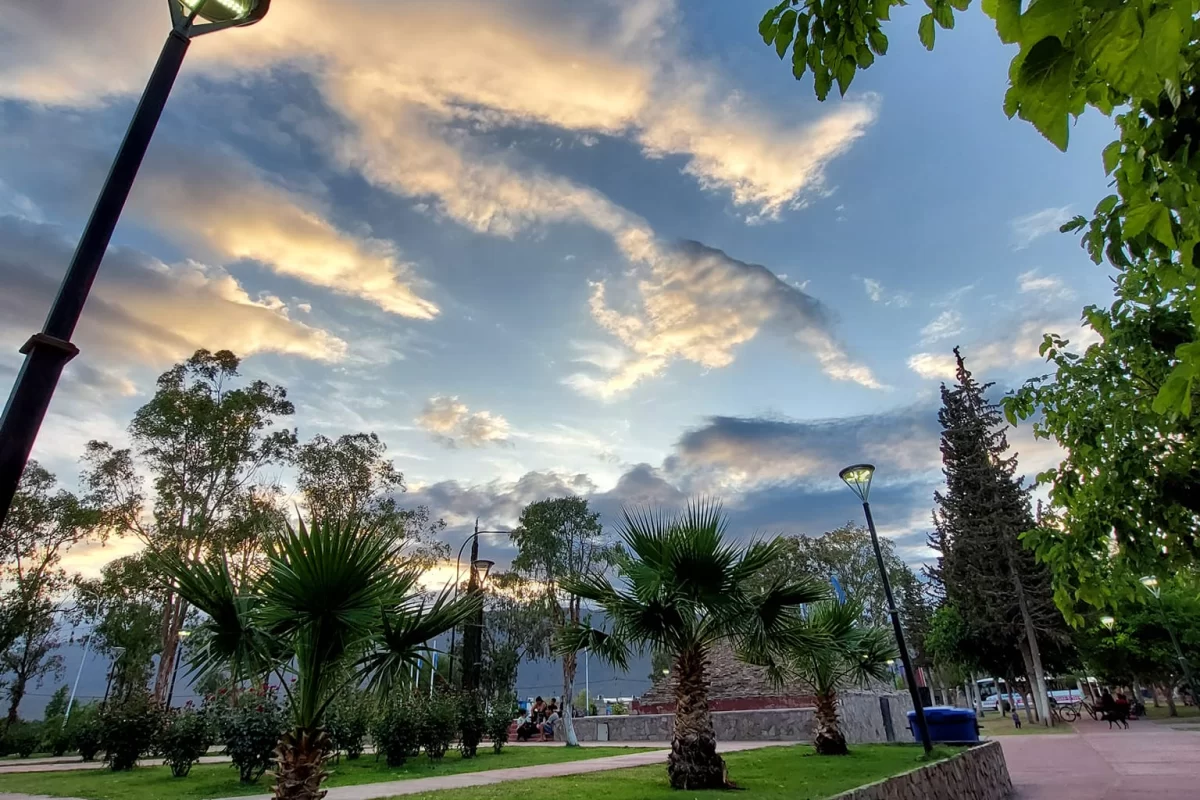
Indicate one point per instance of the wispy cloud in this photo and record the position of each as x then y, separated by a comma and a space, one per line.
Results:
1047, 287
944, 326
1032, 226
1018, 345
878, 294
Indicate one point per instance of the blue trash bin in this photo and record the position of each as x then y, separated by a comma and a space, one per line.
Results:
947, 724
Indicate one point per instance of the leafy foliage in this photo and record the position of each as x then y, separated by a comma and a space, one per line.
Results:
85, 730
250, 722
348, 722
437, 724
499, 722
186, 735
395, 730
129, 729
472, 724
23, 737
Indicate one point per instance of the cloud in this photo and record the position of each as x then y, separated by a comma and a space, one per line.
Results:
1018, 346
1046, 287
945, 325
143, 311
698, 304
878, 294
452, 423
739, 452
1032, 226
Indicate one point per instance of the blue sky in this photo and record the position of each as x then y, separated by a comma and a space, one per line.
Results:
539, 247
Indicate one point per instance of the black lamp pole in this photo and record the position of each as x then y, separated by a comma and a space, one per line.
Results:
473, 635
48, 351
858, 478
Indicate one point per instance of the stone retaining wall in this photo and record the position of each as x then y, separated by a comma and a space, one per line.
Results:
862, 720
975, 774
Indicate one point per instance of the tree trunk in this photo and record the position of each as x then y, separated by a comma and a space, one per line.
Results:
828, 739
299, 769
568, 721
694, 762
1040, 695
1032, 710
1169, 691
16, 694
173, 614
1154, 692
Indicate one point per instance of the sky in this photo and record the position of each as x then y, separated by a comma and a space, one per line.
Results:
540, 247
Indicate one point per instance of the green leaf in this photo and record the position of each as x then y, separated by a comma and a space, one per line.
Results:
1174, 392
864, 56
767, 27
1047, 18
1164, 38
845, 74
1151, 217
799, 58
823, 82
787, 29
1113, 47
1112, 157
1044, 84
883, 9
1106, 205
1074, 224
925, 31
943, 14
878, 42
1007, 14
1160, 227
960, 5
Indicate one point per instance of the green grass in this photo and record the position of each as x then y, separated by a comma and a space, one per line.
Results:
1162, 714
996, 725
221, 780
772, 773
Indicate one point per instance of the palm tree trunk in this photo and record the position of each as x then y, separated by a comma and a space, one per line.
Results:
829, 740
694, 762
300, 765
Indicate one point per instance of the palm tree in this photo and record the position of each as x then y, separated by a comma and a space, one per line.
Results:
682, 589
334, 604
854, 656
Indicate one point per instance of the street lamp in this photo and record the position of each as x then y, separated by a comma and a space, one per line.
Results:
1108, 622
473, 636
183, 634
49, 350
858, 478
112, 670
1151, 584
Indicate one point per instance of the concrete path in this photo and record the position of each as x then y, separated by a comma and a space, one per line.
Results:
1147, 761
46, 765
372, 791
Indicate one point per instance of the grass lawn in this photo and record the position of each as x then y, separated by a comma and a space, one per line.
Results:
221, 780
996, 725
1161, 714
772, 773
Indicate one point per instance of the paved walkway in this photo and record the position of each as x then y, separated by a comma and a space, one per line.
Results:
1150, 760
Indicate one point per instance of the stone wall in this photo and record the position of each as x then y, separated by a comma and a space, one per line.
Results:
975, 774
862, 720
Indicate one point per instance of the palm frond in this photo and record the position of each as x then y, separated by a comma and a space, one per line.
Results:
232, 637
607, 647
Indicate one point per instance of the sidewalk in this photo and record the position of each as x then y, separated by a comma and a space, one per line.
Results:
1147, 761
372, 791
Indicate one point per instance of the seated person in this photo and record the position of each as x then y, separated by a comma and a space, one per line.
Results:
551, 721
526, 729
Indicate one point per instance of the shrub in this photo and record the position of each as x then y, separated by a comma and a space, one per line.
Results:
438, 724
128, 730
23, 738
499, 722
471, 725
251, 721
83, 731
395, 729
186, 736
347, 722
56, 736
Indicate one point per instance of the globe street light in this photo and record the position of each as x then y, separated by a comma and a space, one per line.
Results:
858, 478
1108, 622
1151, 584
48, 351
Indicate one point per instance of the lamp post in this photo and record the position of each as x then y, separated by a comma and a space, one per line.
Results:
183, 634
112, 670
473, 636
1151, 584
48, 351
858, 478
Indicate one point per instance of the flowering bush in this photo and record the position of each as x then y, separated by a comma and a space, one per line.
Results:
471, 725
250, 722
395, 729
128, 730
186, 736
499, 722
346, 722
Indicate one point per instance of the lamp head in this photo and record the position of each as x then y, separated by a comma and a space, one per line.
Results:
1151, 583
242, 12
1108, 622
858, 478
482, 566
183, 634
